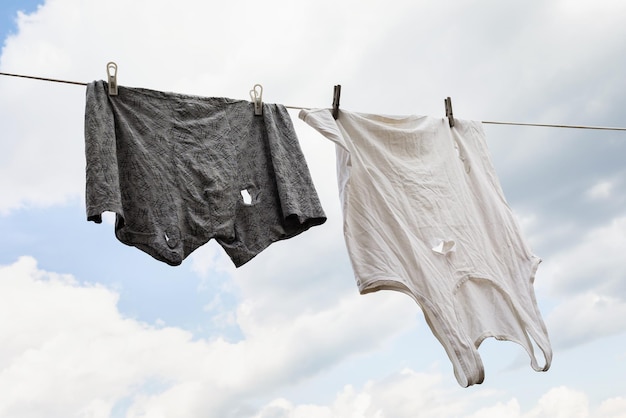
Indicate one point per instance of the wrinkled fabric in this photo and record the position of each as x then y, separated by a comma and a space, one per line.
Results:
179, 170
424, 214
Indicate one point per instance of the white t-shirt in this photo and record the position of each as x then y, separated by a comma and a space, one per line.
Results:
424, 214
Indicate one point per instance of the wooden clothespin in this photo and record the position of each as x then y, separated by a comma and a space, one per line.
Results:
112, 78
448, 103
336, 96
256, 94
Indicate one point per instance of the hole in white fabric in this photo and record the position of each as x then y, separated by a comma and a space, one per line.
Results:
462, 158
458, 151
247, 199
444, 247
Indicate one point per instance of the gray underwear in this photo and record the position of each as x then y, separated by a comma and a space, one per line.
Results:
179, 170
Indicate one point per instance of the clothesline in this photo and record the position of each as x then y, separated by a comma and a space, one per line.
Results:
44, 79
545, 125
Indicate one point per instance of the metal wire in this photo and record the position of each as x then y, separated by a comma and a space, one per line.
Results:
544, 125
44, 79
547, 125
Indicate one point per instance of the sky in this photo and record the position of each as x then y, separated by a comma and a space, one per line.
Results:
94, 328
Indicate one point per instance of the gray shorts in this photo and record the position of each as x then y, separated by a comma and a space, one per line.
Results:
179, 170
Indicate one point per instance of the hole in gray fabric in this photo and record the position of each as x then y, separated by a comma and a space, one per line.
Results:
247, 199
172, 236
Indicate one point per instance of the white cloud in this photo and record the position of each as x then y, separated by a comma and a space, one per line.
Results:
510, 409
281, 408
585, 317
561, 402
63, 331
595, 263
587, 282
608, 192
211, 258
410, 394
405, 394
42, 162
601, 190
613, 408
